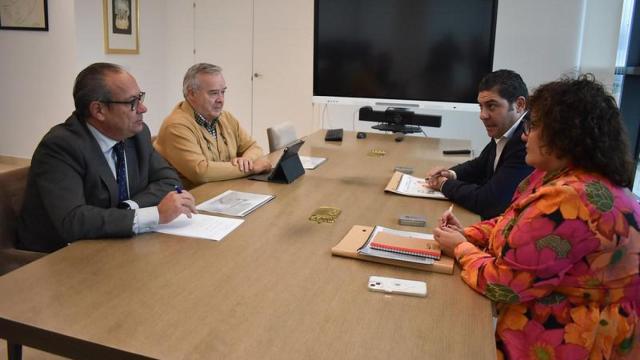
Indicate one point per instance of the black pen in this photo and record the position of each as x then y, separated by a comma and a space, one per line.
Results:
178, 189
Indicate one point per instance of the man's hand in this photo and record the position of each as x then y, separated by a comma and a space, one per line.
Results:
436, 177
244, 164
174, 204
261, 165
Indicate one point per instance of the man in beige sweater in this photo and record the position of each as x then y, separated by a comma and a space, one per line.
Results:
202, 141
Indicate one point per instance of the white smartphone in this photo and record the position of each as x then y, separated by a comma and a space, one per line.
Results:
397, 286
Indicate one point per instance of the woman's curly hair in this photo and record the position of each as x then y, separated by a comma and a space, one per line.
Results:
580, 121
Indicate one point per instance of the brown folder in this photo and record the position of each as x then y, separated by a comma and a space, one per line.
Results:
358, 235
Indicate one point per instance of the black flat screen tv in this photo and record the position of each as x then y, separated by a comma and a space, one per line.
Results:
423, 50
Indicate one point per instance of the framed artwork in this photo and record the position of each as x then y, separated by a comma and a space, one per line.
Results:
121, 26
24, 15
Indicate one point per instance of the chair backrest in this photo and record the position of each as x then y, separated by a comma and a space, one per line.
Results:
13, 184
281, 135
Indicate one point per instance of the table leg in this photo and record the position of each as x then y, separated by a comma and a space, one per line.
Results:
14, 351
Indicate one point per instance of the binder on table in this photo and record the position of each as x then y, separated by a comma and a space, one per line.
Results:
358, 236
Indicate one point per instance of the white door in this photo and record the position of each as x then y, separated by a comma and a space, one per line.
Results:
282, 65
223, 36
265, 48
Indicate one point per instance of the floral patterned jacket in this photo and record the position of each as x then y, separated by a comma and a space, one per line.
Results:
562, 265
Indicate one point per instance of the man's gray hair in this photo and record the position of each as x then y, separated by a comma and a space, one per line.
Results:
190, 81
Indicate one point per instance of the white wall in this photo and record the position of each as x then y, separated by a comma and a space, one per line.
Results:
148, 67
540, 39
37, 69
600, 39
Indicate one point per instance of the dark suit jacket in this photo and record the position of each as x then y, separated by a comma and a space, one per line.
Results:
484, 191
72, 193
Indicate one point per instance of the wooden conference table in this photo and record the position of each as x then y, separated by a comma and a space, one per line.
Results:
270, 290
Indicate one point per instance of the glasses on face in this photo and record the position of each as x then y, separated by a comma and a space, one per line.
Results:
527, 125
134, 103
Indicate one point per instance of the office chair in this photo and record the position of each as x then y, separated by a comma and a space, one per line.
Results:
12, 187
281, 135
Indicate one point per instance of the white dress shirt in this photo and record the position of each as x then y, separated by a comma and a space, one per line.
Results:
502, 141
144, 219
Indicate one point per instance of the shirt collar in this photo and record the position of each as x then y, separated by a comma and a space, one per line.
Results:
105, 142
203, 122
507, 135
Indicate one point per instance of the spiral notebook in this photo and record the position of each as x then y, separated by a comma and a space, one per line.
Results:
406, 245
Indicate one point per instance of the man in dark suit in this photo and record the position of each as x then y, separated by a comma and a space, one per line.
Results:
97, 174
485, 185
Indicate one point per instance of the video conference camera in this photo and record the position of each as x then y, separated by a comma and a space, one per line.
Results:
398, 120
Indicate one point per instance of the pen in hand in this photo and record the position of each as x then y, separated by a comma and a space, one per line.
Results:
445, 217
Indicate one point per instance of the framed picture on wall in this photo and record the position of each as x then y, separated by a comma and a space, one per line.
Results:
121, 26
24, 15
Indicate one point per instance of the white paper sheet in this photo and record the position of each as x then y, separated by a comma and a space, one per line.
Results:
414, 186
200, 226
310, 162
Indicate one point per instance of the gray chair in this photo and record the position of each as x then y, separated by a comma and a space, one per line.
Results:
281, 135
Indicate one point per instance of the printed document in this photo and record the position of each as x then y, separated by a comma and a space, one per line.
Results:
234, 203
415, 186
200, 226
310, 162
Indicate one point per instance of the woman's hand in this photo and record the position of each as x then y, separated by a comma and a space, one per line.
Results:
448, 239
450, 221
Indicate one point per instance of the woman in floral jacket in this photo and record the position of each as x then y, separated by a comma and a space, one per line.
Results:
562, 262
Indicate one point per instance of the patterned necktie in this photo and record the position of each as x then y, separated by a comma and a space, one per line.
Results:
121, 172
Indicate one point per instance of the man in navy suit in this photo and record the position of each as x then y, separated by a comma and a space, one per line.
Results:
97, 175
485, 185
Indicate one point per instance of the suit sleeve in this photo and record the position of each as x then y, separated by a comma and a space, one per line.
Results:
474, 168
492, 198
59, 177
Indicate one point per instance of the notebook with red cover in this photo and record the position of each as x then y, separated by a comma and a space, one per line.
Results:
406, 245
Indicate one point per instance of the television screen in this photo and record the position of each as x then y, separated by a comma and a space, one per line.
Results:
424, 50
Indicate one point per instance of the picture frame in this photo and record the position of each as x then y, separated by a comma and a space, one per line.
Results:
121, 26
24, 15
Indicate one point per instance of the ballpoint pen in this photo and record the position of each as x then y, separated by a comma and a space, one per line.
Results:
444, 218
178, 189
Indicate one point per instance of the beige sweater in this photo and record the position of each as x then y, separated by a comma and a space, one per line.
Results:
197, 156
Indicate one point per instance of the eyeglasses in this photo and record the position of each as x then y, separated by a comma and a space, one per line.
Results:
527, 125
137, 100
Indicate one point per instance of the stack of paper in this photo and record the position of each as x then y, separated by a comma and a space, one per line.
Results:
234, 203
